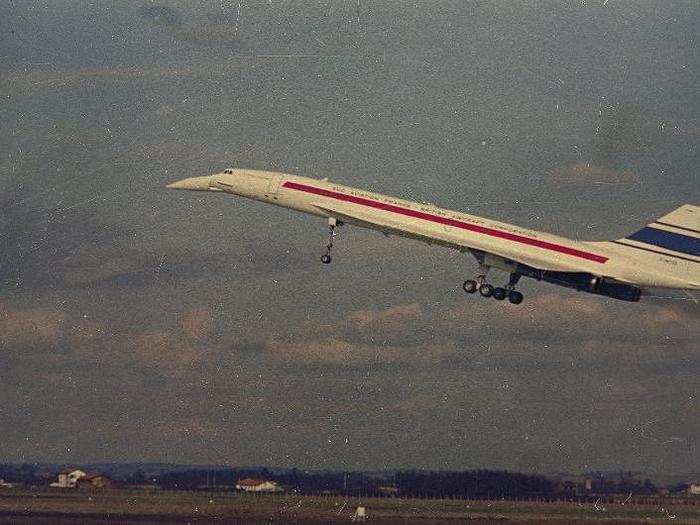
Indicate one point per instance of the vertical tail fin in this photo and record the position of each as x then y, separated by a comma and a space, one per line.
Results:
677, 233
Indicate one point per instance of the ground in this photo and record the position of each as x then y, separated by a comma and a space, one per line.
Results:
65, 507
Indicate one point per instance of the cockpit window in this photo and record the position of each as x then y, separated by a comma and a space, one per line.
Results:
228, 171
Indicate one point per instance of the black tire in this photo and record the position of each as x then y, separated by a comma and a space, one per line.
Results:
326, 259
515, 297
469, 286
499, 293
486, 290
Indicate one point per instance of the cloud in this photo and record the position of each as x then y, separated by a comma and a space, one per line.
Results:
27, 328
197, 323
161, 14
92, 265
402, 324
39, 246
222, 31
163, 353
623, 128
590, 174
551, 326
85, 331
342, 353
570, 310
393, 317
572, 319
207, 33
96, 265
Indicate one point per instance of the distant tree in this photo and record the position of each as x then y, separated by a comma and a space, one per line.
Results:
26, 474
137, 478
480, 483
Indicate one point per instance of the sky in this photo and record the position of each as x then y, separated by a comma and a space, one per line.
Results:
138, 324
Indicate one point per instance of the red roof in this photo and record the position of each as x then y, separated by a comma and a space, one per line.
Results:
94, 475
251, 482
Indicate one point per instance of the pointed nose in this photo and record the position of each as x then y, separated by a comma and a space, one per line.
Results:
193, 183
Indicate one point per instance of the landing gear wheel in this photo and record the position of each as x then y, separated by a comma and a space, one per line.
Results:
499, 293
326, 259
470, 286
486, 290
515, 297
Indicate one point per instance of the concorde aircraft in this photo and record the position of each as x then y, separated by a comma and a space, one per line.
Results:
664, 254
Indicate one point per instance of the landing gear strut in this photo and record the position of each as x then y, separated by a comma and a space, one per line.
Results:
326, 257
487, 290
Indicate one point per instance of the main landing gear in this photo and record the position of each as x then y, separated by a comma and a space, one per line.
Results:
332, 223
487, 290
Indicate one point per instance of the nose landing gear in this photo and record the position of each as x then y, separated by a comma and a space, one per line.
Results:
487, 290
332, 223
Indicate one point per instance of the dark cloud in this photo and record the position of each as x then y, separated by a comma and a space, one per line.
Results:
325, 384
196, 327
223, 29
108, 267
55, 239
209, 34
161, 14
622, 128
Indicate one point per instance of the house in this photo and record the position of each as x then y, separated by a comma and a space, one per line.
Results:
694, 489
67, 478
5, 485
94, 480
568, 484
257, 485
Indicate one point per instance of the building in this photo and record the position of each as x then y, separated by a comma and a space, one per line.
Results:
694, 489
94, 480
67, 478
257, 485
360, 515
568, 484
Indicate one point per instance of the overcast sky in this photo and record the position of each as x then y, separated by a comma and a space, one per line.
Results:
138, 324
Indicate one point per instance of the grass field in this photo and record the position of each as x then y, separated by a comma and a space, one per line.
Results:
63, 507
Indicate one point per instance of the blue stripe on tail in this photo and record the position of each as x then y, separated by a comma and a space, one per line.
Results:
676, 242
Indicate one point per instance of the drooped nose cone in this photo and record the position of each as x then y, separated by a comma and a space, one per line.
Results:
193, 183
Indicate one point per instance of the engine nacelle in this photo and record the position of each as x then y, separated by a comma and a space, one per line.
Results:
584, 282
624, 292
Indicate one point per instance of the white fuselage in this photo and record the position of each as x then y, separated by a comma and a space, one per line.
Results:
504, 244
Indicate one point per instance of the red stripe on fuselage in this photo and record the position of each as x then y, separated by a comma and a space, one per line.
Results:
408, 212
